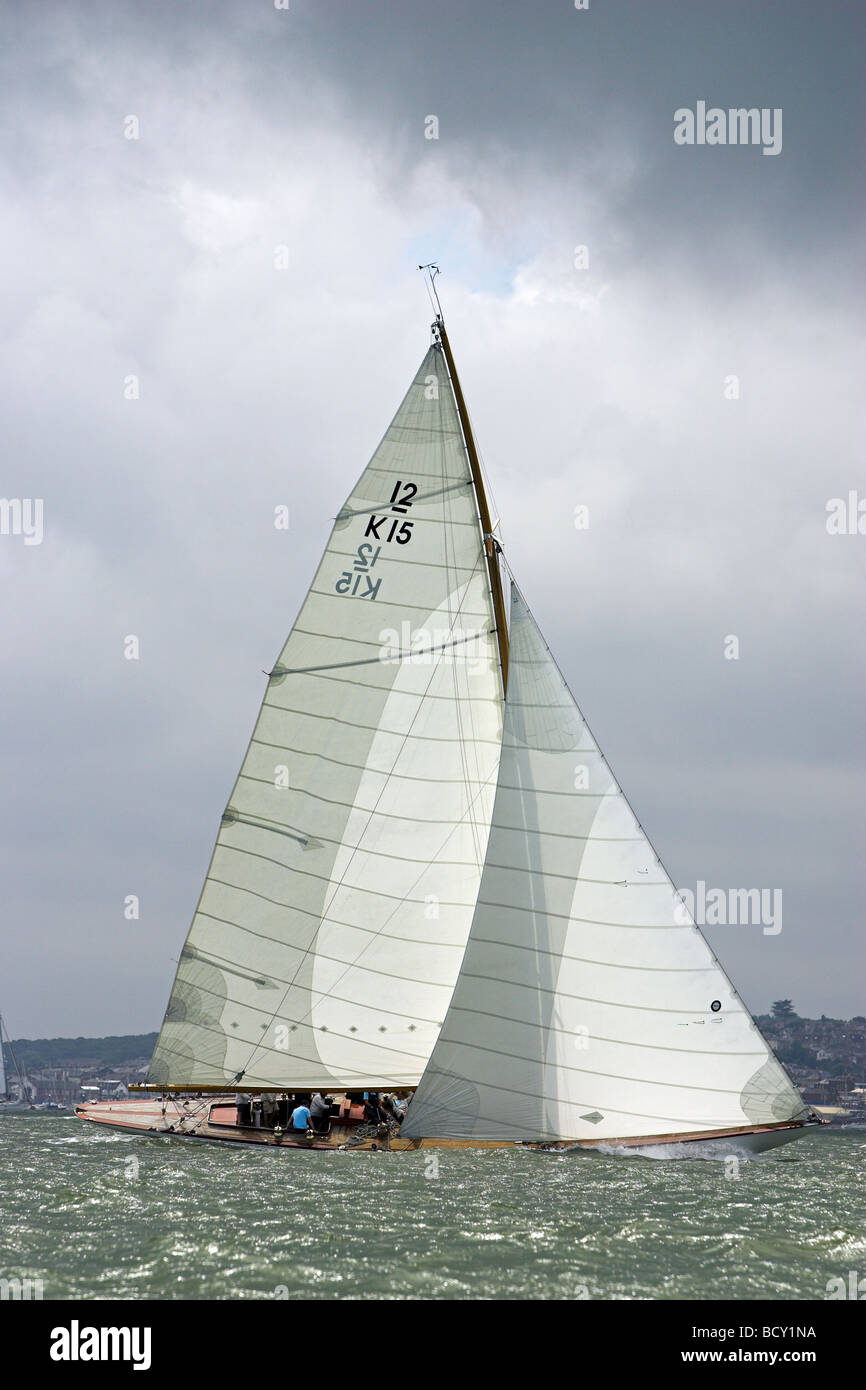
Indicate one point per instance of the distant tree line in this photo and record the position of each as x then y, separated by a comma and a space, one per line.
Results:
797, 1041
62, 1052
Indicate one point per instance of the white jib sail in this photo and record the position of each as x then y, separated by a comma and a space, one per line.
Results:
336, 909
2, 1063
588, 1005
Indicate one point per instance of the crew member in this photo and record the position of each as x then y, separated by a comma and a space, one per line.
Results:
243, 1104
301, 1118
320, 1112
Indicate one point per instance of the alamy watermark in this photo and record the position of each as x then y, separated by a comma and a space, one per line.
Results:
19, 1290
22, 516
729, 907
854, 1288
846, 516
736, 126
419, 646
77, 1343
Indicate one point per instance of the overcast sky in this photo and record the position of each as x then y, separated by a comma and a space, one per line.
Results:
602, 387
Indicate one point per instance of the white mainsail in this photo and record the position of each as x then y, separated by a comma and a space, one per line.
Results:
588, 1005
335, 913
2, 1063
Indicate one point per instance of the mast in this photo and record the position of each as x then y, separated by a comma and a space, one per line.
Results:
490, 545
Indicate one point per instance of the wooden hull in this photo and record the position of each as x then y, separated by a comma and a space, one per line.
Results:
215, 1120
731, 1143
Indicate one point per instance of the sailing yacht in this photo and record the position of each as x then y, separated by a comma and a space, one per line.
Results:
4, 1094
428, 882
8, 1102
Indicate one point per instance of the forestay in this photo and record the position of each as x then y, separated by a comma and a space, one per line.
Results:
337, 905
588, 1005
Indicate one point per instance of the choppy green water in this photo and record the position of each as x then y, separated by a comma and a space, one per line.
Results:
97, 1214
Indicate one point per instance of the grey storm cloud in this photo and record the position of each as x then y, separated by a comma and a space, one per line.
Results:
298, 135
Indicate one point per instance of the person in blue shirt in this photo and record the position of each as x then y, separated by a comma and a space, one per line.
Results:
301, 1118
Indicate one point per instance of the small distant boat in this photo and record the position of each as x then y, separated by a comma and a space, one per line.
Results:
427, 879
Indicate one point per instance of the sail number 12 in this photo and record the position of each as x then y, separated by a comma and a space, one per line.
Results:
377, 526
